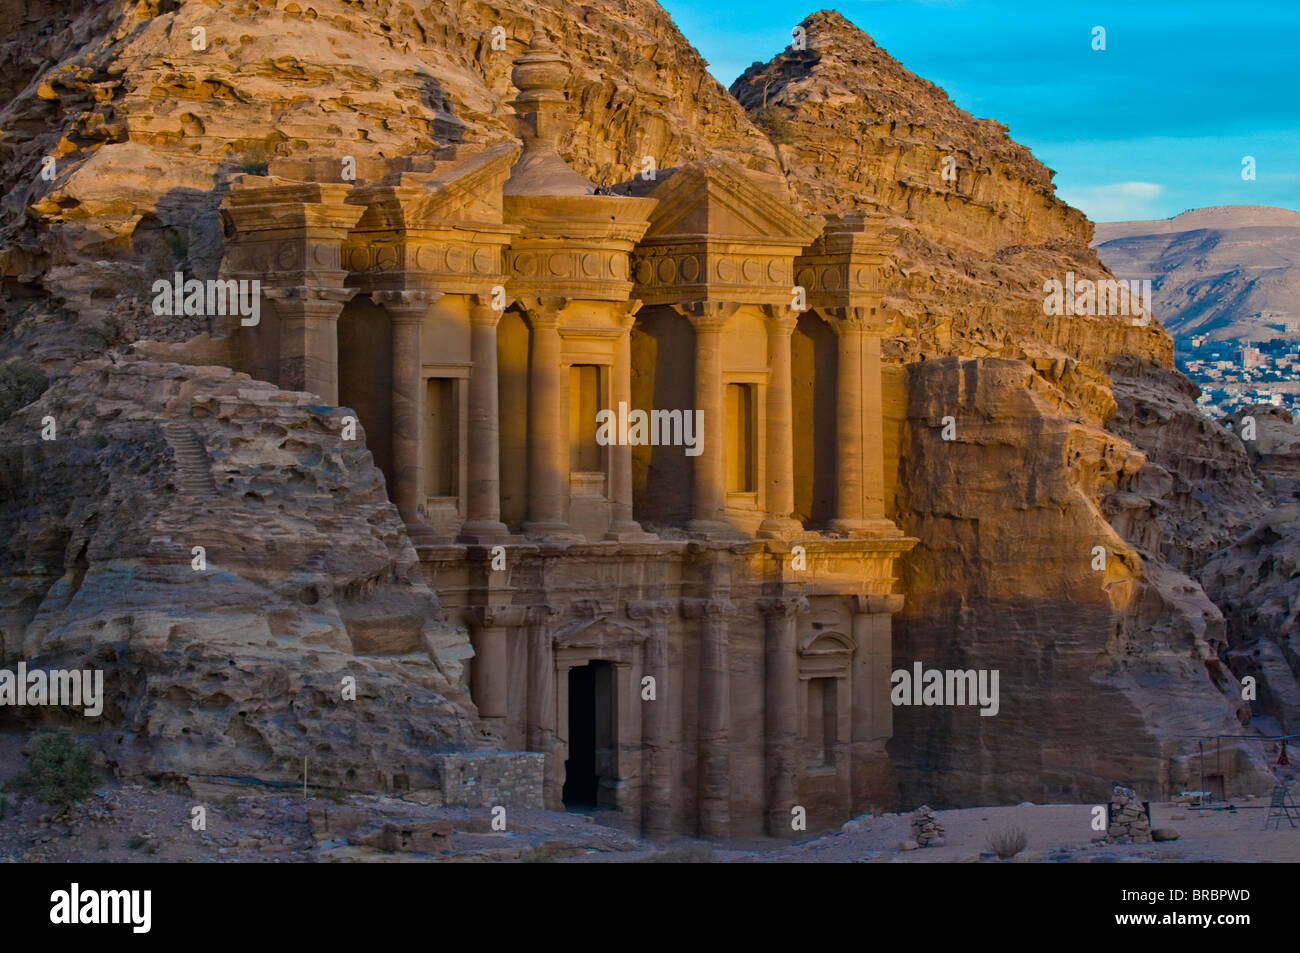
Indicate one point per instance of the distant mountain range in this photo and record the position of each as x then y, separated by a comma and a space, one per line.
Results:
1232, 271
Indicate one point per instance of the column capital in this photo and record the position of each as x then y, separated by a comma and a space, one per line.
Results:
484, 316
707, 315
651, 609
493, 617
405, 305
781, 318
782, 607
890, 602
850, 320
310, 297
625, 313
540, 614
481, 310
707, 608
543, 312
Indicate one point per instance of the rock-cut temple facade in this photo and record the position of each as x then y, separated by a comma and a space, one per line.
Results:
687, 610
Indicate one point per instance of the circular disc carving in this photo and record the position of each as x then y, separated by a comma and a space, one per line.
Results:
775, 271
560, 265
385, 258
591, 265
725, 269
426, 258
483, 260
690, 268
749, 270
644, 272
667, 271
455, 258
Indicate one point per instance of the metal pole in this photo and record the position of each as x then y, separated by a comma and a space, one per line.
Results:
1201, 745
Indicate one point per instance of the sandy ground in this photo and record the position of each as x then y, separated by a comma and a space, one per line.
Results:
136, 823
125, 823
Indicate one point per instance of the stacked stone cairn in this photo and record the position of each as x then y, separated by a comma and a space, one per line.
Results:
1129, 823
925, 829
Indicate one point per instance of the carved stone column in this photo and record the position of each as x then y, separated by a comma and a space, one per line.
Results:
541, 712
781, 716
780, 427
872, 711
873, 433
489, 671
849, 516
660, 797
309, 339
622, 525
714, 712
548, 434
710, 491
407, 309
483, 516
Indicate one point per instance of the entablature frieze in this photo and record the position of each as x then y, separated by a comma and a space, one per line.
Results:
748, 274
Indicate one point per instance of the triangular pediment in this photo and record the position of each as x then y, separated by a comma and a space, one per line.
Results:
462, 190
597, 633
716, 199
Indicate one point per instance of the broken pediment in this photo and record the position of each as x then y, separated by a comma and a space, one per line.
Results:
716, 199
463, 187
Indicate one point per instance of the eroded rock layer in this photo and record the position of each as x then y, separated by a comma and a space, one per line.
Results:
228, 561
1071, 432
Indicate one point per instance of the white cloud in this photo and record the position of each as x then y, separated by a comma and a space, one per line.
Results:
1122, 201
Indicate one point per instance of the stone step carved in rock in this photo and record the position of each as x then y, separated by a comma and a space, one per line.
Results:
193, 471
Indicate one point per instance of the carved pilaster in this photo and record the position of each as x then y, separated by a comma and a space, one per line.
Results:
780, 524
714, 714
658, 815
781, 711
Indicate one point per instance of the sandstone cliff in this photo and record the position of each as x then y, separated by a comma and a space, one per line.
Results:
232, 664
1071, 432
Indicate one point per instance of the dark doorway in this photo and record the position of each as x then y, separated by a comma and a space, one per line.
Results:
591, 734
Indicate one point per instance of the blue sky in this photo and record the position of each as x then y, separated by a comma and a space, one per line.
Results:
1157, 123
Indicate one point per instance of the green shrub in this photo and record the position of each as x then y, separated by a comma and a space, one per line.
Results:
20, 384
256, 160
59, 773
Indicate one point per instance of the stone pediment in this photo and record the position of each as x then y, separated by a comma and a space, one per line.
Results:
717, 235
600, 637
716, 200
461, 190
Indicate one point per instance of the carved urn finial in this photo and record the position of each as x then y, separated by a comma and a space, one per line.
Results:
540, 74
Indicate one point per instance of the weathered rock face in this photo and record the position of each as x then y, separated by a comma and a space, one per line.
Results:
1256, 580
1198, 490
147, 130
1072, 432
236, 668
1007, 577
856, 131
